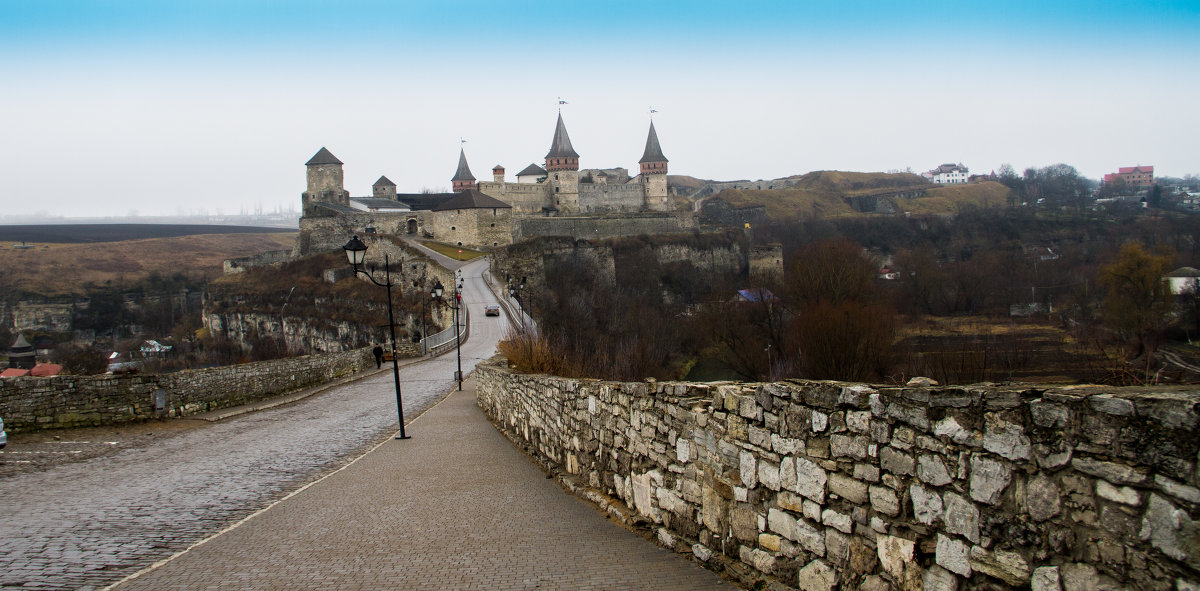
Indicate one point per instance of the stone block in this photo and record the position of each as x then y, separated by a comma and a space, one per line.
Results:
838, 521
768, 474
1182, 492
769, 542
782, 523
816, 576
896, 462
936, 578
1048, 414
701, 553
858, 421
820, 421
894, 554
786, 445
810, 480
1172, 531
1111, 405
927, 504
874, 583
953, 555
683, 450
1124, 494
884, 500
762, 561
789, 501
1006, 439
744, 522
1043, 499
989, 478
961, 517
748, 469
866, 472
810, 538
1077, 576
812, 510
852, 446
847, 488
857, 396
1005, 565
1045, 578
931, 470
1114, 473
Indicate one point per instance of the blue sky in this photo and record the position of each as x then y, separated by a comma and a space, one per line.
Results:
176, 107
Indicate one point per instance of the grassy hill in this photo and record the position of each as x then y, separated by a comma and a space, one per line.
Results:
822, 193
59, 269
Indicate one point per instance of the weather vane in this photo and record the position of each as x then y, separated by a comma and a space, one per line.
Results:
652, 112
560, 104
462, 140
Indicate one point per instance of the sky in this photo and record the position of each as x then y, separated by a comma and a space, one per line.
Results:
114, 108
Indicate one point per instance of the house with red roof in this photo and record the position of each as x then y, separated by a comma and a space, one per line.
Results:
1132, 176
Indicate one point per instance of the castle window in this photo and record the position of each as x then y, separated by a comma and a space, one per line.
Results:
452, 228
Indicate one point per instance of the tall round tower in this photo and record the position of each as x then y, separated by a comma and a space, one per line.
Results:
562, 171
654, 174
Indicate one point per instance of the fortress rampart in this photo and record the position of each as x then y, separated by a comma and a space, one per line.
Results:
826, 485
598, 227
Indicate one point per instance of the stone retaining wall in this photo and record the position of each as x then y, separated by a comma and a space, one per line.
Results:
825, 485
86, 401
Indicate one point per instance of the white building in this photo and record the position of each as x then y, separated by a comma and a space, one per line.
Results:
948, 174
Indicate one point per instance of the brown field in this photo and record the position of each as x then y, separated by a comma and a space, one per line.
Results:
55, 270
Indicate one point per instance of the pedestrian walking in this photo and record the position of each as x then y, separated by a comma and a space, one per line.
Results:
378, 353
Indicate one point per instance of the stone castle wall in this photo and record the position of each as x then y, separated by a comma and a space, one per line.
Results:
474, 228
84, 401
594, 228
824, 485
606, 198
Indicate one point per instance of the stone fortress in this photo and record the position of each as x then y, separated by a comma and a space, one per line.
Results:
559, 199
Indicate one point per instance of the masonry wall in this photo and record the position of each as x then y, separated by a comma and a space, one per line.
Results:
597, 227
85, 401
608, 198
825, 485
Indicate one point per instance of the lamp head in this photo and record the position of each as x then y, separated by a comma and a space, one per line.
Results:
356, 251
438, 290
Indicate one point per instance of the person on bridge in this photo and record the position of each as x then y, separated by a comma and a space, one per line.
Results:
378, 353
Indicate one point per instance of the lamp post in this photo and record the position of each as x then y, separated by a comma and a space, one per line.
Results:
356, 251
438, 290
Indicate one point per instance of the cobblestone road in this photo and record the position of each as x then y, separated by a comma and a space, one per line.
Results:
88, 524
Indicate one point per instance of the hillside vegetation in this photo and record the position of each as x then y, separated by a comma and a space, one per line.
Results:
821, 194
54, 270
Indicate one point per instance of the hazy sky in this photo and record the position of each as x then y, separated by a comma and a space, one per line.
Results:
165, 107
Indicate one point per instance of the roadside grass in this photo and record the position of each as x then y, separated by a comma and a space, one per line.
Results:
457, 253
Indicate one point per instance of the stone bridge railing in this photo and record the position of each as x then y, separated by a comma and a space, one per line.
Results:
823, 485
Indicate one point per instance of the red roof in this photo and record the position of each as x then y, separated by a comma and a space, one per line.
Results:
45, 370
1129, 169
13, 372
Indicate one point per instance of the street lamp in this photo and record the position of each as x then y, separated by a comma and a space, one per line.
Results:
356, 251
438, 290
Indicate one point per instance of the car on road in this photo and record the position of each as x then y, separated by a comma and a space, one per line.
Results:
492, 310
3, 435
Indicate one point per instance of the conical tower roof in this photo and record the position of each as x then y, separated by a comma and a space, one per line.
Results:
560, 147
323, 156
464, 172
653, 151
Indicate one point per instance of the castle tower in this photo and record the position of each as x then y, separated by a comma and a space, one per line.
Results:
384, 188
498, 173
463, 179
325, 181
654, 174
562, 171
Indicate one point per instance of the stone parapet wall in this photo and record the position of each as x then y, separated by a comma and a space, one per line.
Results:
28, 404
825, 485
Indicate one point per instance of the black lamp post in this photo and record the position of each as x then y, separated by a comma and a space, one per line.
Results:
356, 251
438, 290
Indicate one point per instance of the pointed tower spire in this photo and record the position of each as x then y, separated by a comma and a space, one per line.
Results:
561, 155
463, 179
653, 161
